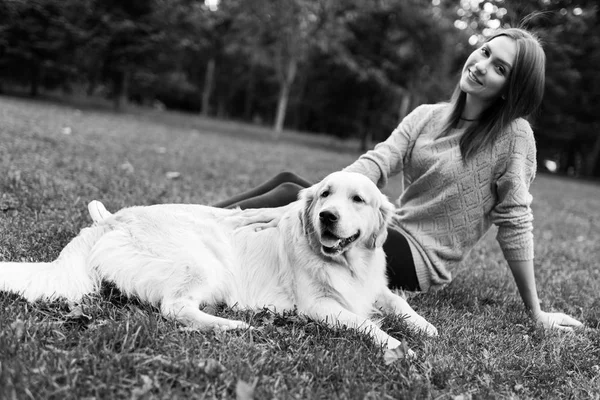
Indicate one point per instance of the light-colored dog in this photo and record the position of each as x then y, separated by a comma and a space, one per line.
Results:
325, 258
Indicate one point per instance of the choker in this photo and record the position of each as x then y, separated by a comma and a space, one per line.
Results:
465, 119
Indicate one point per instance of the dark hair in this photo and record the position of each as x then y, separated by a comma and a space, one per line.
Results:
522, 97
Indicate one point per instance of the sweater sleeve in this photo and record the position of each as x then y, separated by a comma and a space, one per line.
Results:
387, 158
512, 212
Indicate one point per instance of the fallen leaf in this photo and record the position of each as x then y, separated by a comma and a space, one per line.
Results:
8, 202
518, 387
211, 367
76, 318
173, 175
399, 353
18, 328
127, 167
77, 312
142, 391
244, 390
466, 396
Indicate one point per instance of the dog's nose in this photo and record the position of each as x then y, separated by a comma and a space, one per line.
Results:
328, 217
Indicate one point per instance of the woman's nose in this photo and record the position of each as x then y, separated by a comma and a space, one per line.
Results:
481, 67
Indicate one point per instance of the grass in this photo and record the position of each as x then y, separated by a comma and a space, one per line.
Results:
113, 347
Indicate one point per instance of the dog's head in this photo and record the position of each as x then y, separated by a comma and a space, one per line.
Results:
344, 210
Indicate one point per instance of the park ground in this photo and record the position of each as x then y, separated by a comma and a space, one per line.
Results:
55, 158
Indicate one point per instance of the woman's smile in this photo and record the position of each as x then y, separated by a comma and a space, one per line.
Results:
473, 77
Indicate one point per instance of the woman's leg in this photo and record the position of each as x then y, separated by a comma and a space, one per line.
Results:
277, 191
400, 265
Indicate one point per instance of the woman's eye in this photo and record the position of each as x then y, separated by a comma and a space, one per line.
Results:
358, 199
325, 193
484, 51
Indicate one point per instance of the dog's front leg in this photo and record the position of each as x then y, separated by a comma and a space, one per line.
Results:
393, 303
334, 315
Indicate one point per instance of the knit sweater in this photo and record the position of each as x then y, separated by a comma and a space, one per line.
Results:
448, 205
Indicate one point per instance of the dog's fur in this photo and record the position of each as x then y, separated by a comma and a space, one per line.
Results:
325, 257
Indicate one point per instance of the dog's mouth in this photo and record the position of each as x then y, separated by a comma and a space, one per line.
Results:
333, 245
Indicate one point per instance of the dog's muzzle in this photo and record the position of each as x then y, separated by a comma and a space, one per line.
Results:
331, 243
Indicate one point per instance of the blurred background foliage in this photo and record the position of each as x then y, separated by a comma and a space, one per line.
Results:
351, 68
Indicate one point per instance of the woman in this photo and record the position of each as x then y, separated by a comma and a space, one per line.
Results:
467, 164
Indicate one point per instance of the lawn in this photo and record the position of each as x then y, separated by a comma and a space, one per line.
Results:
55, 158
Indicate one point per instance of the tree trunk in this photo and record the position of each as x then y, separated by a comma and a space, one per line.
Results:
249, 100
593, 158
92, 81
209, 79
281, 108
366, 134
366, 140
34, 89
284, 94
122, 89
298, 117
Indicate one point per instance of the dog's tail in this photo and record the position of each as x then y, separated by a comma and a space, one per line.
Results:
68, 277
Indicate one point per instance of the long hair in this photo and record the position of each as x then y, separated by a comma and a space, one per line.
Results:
522, 97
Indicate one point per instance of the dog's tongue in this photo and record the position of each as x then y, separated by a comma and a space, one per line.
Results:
330, 242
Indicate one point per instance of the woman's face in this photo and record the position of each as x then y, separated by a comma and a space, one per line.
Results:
487, 69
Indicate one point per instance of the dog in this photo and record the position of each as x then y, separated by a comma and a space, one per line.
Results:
324, 258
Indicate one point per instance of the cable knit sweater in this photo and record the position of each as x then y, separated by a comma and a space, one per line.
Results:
447, 205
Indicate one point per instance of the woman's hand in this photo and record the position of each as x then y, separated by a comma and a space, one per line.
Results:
556, 321
524, 277
257, 218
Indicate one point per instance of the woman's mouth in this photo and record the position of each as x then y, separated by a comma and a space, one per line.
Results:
473, 77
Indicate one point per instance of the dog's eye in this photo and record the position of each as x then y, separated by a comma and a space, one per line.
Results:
358, 199
325, 193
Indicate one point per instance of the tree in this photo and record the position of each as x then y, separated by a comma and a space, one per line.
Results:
280, 35
133, 39
398, 54
38, 40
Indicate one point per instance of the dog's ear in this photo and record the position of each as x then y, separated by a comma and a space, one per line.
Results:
307, 198
384, 217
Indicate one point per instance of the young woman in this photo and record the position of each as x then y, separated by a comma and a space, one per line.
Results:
467, 164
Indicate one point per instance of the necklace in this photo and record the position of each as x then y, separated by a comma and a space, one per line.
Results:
465, 119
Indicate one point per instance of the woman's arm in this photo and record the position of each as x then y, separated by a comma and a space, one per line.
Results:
387, 158
523, 272
514, 218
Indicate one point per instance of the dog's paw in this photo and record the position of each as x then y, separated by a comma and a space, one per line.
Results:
231, 325
429, 329
420, 324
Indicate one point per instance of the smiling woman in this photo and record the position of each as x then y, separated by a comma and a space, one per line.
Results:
485, 74
467, 165
501, 81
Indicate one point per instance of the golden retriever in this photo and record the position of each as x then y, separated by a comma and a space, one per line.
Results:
324, 258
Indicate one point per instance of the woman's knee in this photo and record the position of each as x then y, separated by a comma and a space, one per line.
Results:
289, 189
287, 176
293, 178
